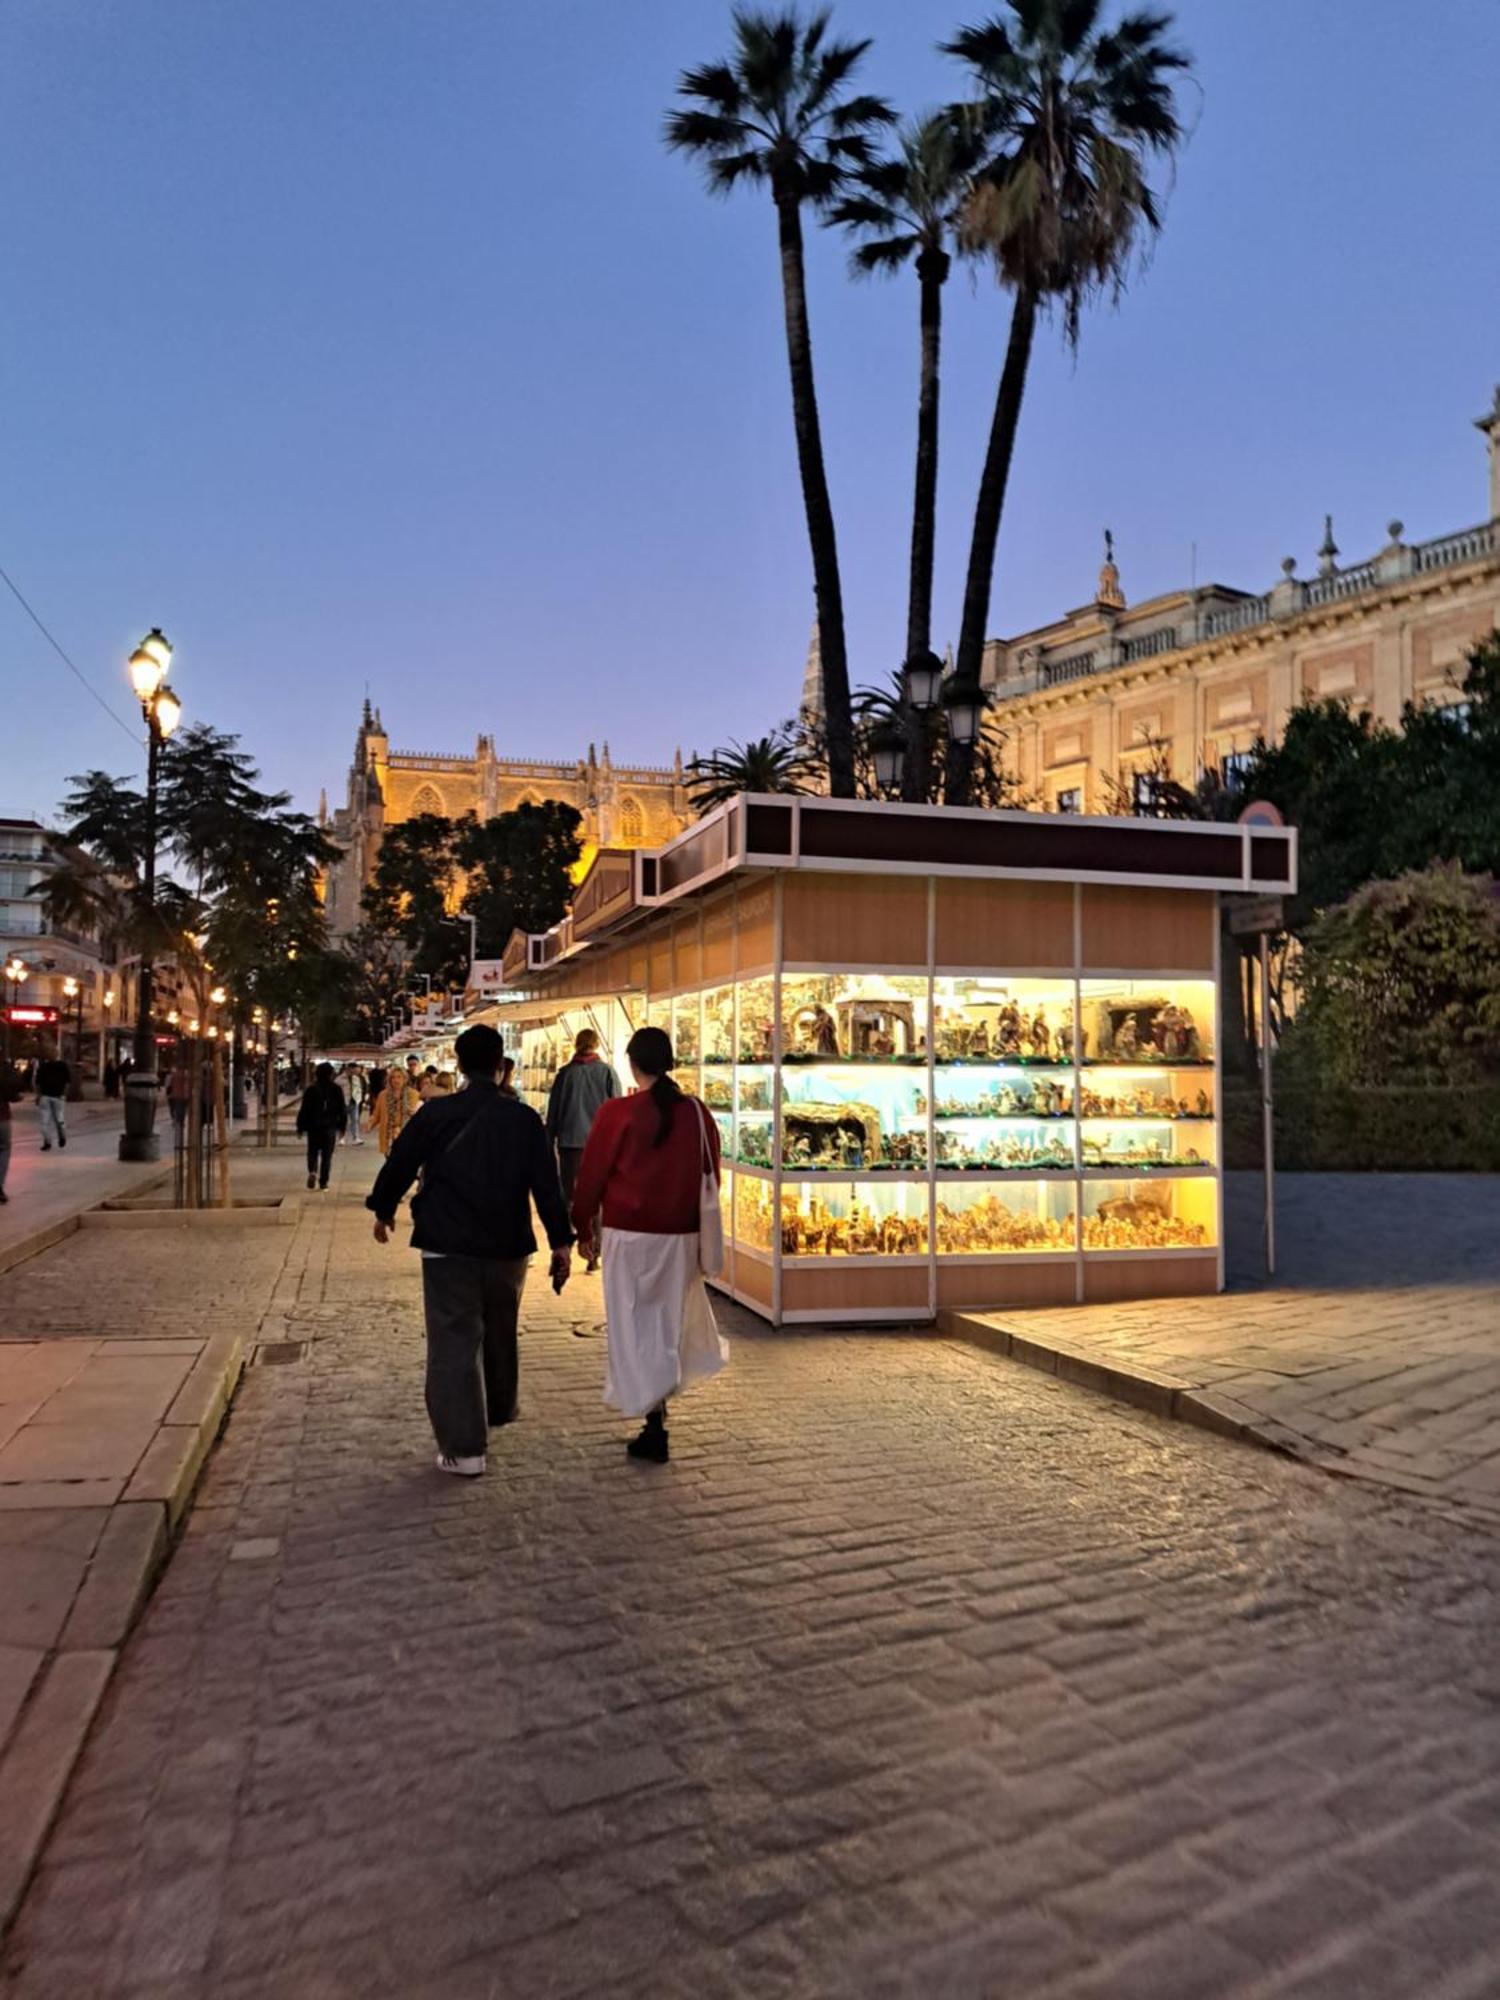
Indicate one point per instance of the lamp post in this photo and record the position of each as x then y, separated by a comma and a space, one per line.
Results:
15, 978
161, 708
73, 990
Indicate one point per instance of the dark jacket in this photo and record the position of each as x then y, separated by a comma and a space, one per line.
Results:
52, 1077
322, 1109
578, 1089
484, 1159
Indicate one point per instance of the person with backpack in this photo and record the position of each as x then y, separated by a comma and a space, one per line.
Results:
483, 1158
321, 1117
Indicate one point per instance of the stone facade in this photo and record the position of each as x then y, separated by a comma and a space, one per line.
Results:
1195, 676
622, 805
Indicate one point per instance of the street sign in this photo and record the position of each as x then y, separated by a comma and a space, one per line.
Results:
1261, 812
32, 1017
1253, 916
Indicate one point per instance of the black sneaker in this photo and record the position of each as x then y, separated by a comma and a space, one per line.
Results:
62, 1138
651, 1445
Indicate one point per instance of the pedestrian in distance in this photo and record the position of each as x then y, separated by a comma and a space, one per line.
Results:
508, 1077
394, 1107
53, 1076
483, 1159
354, 1093
321, 1117
111, 1080
179, 1095
643, 1172
10, 1091
579, 1088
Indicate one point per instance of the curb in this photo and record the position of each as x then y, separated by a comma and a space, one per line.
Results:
46, 1722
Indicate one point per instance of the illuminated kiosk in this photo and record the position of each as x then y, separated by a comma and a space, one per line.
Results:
957, 1059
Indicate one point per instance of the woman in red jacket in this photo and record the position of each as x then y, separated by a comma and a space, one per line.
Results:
643, 1168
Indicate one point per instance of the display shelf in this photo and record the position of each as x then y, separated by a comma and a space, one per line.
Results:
1018, 1218
1158, 1021
1155, 1212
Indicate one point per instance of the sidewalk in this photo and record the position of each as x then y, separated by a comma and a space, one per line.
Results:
1374, 1353
912, 1675
120, 1348
46, 1190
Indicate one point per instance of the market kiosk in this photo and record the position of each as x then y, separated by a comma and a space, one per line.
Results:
957, 1059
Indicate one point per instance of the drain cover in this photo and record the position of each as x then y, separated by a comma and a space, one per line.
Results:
272, 1351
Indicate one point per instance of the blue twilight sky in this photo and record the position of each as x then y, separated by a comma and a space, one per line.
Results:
378, 343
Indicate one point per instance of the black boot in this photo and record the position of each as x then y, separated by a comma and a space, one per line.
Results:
652, 1442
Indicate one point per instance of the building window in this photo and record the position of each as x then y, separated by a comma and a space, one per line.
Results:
428, 799
1143, 792
632, 823
1070, 800
1234, 768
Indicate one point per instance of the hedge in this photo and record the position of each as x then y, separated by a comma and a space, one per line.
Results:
1395, 1129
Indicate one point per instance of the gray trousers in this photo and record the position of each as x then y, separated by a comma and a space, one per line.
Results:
473, 1305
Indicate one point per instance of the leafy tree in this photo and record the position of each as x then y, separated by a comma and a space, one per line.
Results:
908, 210
416, 890
1071, 113
776, 114
1401, 983
779, 762
519, 869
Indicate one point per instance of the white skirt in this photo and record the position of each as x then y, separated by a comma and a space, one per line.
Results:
659, 1321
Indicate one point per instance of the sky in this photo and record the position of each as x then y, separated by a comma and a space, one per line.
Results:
379, 345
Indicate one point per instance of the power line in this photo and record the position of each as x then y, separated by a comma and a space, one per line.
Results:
78, 675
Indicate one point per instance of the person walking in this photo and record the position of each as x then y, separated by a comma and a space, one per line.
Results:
321, 1117
53, 1076
483, 1159
111, 1080
354, 1093
579, 1088
394, 1107
10, 1091
642, 1171
179, 1094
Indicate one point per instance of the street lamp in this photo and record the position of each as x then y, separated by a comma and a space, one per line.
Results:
74, 992
965, 701
888, 750
923, 674
148, 668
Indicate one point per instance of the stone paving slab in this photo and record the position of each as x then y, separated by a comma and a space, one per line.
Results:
1374, 1354
912, 1675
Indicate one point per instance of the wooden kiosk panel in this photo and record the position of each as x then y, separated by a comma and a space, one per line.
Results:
870, 1288
687, 949
755, 928
718, 940
1024, 925
855, 920
1015, 1284
1148, 930
1109, 1279
754, 1278
660, 975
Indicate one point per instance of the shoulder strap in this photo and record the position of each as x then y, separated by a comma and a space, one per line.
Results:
707, 1155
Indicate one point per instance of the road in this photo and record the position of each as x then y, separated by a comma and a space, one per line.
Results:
915, 1673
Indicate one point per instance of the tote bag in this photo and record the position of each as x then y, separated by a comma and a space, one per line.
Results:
710, 1216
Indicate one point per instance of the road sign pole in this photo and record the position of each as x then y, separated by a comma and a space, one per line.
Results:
1266, 1108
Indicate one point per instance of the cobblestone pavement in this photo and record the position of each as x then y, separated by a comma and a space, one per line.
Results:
1375, 1351
914, 1673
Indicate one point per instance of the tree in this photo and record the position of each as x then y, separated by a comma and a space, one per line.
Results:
776, 115
1401, 983
416, 892
1070, 113
908, 210
779, 762
519, 867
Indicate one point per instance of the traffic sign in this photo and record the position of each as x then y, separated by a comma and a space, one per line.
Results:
1261, 812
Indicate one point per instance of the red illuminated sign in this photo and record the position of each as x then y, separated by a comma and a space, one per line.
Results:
32, 1017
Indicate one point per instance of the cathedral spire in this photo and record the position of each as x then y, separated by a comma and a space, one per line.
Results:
1110, 597
812, 704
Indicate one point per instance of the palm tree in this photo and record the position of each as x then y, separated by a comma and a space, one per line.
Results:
775, 114
774, 763
1071, 112
909, 210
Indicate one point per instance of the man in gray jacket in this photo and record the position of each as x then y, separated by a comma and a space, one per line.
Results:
578, 1089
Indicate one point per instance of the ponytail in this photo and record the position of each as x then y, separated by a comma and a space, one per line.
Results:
650, 1050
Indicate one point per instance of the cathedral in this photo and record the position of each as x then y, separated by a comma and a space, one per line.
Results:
622, 805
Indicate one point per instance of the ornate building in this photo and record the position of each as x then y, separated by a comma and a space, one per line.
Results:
622, 805
1112, 690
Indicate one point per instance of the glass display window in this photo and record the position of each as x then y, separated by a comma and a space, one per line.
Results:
754, 1213
756, 1026
1023, 1219
992, 1091
1151, 1215
846, 1218
854, 1118
754, 1137
718, 1025
726, 1134
1023, 1023
1140, 1092
1006, 1145
718, 1090
1168, 1023
755, 1086
658, 1014
859, 1017
687, 1030
1166, 1145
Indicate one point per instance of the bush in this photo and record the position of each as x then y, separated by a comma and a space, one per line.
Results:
1369, 1129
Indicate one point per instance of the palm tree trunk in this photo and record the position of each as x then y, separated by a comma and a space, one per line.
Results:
822, 540
988, 508
932, 270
